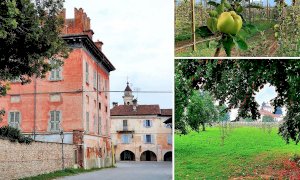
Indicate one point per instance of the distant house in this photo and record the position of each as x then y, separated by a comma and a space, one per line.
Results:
139, 132
73, 98
268, 110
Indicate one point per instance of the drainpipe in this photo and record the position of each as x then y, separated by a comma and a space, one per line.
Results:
97, 106
34, 110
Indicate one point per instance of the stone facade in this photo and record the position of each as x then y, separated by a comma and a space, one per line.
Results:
139, 132
161, 137
22, 160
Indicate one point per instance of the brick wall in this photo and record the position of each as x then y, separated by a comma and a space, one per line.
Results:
22, 160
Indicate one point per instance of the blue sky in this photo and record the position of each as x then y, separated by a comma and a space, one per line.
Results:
138, 40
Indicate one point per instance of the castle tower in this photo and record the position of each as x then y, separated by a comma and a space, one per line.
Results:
128, 97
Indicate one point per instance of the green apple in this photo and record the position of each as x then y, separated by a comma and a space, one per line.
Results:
229, 23
276, 27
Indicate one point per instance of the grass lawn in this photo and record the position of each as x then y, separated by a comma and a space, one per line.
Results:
205, 50
247, 152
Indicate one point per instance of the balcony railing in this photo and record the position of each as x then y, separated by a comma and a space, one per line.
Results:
125, 129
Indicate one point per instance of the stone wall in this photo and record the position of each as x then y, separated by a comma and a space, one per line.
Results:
22, 160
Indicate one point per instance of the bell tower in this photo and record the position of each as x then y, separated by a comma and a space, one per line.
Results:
128, 97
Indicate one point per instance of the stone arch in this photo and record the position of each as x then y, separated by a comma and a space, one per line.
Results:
148, 156
168, 156
127, 156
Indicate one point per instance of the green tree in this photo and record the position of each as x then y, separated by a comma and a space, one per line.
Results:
201, 110
29, 35
267, 119
236, 82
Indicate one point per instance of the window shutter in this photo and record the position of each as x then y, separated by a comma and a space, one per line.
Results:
150, 123
145, 123
11, 117
17, 119
57, 120
169, 138
152, 139
129, 138
145, 141
123, 138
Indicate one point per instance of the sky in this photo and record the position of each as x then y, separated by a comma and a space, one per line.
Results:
138, 39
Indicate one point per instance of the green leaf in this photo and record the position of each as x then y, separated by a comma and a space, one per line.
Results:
203, 31
228, 44
212, 3
220, 8
212, 24
240, 42
255, 6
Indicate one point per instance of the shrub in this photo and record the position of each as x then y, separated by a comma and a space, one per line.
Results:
14, 134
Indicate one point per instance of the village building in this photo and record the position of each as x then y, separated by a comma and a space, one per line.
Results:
140, 132
72, 100
268, 110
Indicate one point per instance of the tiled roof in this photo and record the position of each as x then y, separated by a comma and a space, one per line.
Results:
127, 110
166, 112
268, 113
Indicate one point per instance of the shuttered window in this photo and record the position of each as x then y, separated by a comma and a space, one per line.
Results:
147, 123
126, 138
55, 119
149, 139
14, 119
56, 72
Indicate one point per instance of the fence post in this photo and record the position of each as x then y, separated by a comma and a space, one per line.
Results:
193, 24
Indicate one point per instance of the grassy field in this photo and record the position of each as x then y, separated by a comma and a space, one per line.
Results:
246, 153
253, 38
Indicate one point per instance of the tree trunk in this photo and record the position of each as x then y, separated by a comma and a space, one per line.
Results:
203, 126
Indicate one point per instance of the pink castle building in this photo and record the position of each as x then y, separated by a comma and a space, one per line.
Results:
73, 99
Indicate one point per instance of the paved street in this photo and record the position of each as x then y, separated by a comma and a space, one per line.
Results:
130, 171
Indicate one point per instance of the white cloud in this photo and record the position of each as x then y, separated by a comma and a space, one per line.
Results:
138, 40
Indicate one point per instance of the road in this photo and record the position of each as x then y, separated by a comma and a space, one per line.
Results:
130, 171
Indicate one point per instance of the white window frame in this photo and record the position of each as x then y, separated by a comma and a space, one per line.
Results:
146, 124
123, 122
55, 74
57, 123
151, 139
14, 123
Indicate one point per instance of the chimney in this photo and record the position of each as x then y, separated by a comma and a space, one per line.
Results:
115, 104
99, 44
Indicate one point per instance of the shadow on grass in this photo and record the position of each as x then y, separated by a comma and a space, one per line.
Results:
63, 173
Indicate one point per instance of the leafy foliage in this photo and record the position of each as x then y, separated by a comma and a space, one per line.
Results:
236, 82
267, 119
29, 35
14, 135
201, 110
